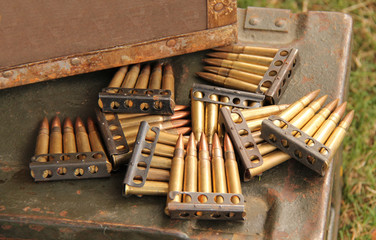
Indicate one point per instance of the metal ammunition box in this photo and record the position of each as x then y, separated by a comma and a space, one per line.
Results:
56, 39
289, 201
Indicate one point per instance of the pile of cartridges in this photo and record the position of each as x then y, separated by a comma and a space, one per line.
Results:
197, 155
73, 154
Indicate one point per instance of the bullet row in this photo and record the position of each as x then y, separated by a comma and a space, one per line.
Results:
325, 126
73, 139
238, 67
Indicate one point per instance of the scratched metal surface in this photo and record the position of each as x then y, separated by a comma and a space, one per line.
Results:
287, 202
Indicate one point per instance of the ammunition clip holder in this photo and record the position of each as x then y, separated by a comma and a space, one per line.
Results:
315, 156
278, 75
64, 166
134, 100
113, 137
138, 156
209, 210
244, 144
237, 98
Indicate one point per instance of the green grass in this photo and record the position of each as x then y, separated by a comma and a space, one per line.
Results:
358, 208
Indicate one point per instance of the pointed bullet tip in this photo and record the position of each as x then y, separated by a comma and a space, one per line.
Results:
56, 122
227, 144
216, 141
331, 106
314, 94
68, 123
44, 123
203, 145
79, 122
340, 110
180, 142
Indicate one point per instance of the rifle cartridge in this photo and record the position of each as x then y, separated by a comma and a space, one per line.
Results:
143, 79
155, 174
232, 171
254, 113
131, 77
233, 73
168, 80
230, 82
241, 57
262, 51
69, 139
156, 77
190, 169
204, 168
176, 172
197, 115
218, 169
41, 146
95, 141
56, 138
246, 67
211, 119
82, 138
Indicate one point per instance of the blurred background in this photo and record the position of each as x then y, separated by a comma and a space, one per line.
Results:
358, 208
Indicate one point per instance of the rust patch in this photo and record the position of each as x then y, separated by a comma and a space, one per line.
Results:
78, 192
2, 208
26, 209
280, 235
324, 22
63, 213
307, 79
37, 228
6, 227
50, 212
35, 209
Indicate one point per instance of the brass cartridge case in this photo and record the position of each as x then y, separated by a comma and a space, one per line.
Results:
218, 169
132, 131
221, 130
261, 51
246, 67
168, 80
131, 77
133, 115
190, 169
69, 140
180, 130
167, 138
131, 122
143, 79
211, 119
204, 168
155, 174
152, 188
255, 124
156, 77
233, 73
269, 161
197, 115
41, 146
232, 170
177, 172
241, 57
56, 138
257, 137
230, 82
162, 150
82, 138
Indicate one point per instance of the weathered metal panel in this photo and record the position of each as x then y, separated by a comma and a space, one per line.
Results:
286, 202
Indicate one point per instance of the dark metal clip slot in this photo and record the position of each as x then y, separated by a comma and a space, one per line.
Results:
241, 136
138, 156
134, 100
236, 98
64, 166
209, 210
293, 141
279, 74
113, 135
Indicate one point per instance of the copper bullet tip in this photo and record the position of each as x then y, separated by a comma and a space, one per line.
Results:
203, 145
180, 142
180, 122
347, 120
191, 147
56, 122
184, 130
313, 95
180, 107
211, 69
216, 141
79, 123
180, 114
330, 106
212, 61
340, 110
90, 124
44, 123
322, 100
68, 123
217, 54
223, 49
227, 144
168, 67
